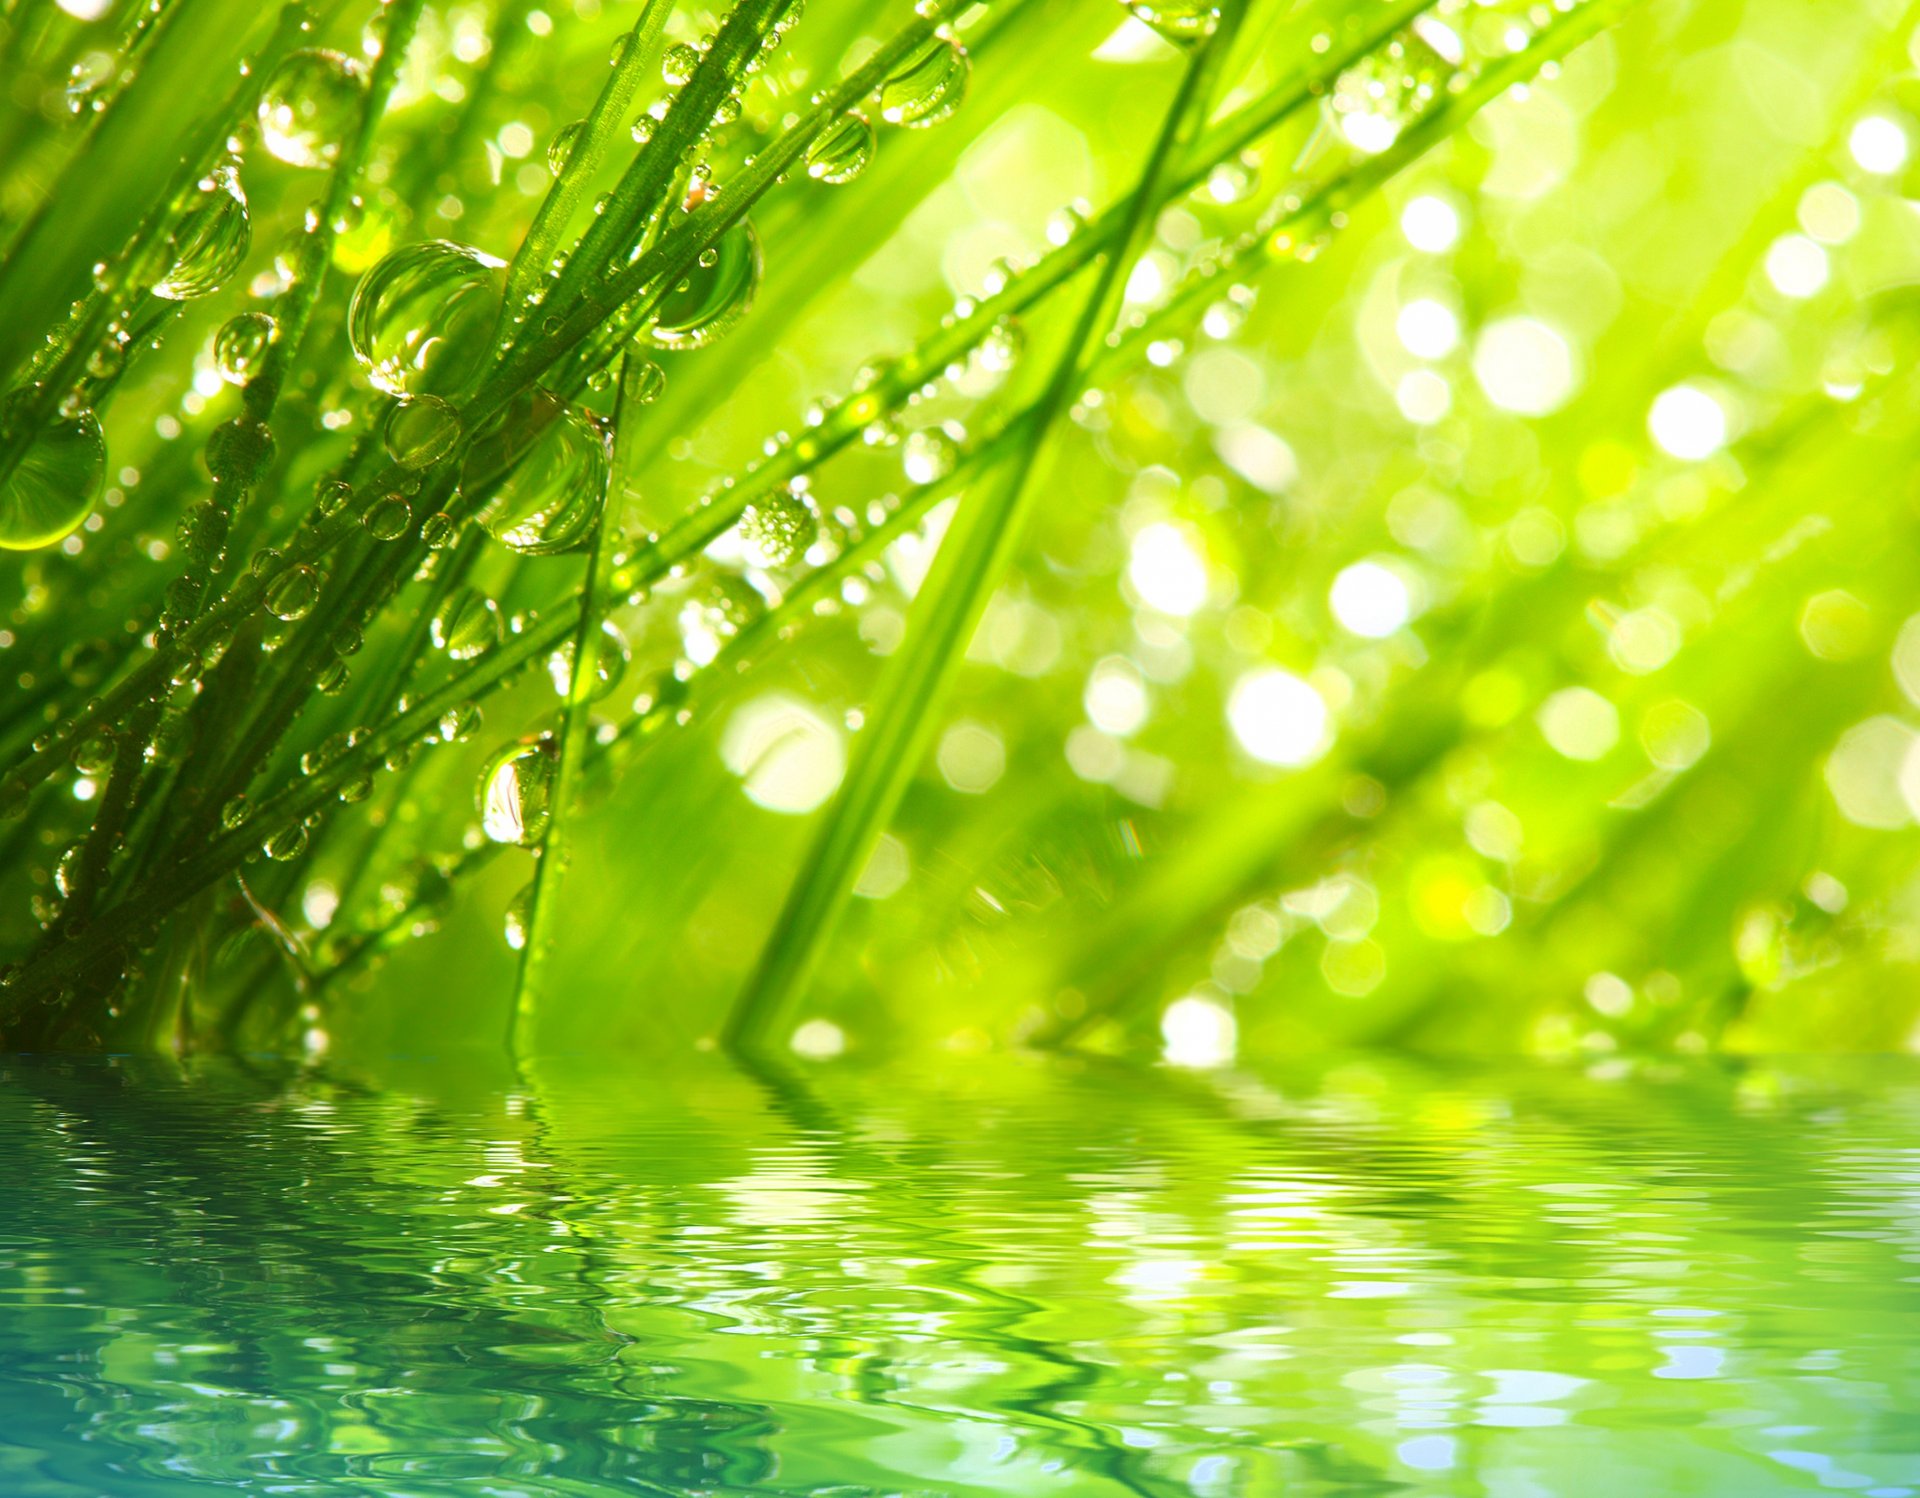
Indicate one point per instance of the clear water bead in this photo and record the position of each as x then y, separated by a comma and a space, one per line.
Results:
310, 105
420, 321
54, 480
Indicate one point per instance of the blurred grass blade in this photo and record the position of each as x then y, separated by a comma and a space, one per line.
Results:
975, 552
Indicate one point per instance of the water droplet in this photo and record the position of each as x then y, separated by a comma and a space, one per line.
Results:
467, 625
928, 86
516, 792
332, 678
309, 106
332, 497
646, 383
210, 241
389, 518
1177, 20
240, 347
929, 455
293, 594
66, 873
783, 524
93, 755
440, 531
422, 431
421, 319
609, 663
460, 722
108, 358
555, 460
234, 812
841, 151
286, 844
677, 64
712, 298
560, 148
519, 917
55, 479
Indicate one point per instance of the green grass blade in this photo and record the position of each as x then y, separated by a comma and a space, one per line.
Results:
972, 557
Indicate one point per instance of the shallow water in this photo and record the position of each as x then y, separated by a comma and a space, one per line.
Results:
991, 1277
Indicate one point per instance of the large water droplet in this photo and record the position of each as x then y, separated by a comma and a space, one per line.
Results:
467, 625
516, 792
560, 148
555, 460
929, 455
421, 319
293, 594
422, 431
677, 64
928, 86
56, 476
842, 150
715, 295
240, 347
782, 524
1178, 20
610, 660
210, 240
309, 106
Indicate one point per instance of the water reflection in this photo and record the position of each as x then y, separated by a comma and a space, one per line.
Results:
995, 1277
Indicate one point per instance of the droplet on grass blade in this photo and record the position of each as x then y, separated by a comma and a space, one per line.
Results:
422, 431
555, 462
210, 241
309, 106
712, 297
53, 483
928, 86
420, 320
841, 152
516, 792
240, 347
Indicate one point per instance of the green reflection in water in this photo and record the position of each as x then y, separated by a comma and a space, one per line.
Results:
1017, 1277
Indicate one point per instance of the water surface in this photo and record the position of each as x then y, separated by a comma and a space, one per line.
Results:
991, 1276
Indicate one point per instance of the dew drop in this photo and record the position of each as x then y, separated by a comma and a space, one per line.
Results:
309, 106
93, 755
677, 64
422, 431
459, 723
516, 792
555, 463
783, 524
332, 497
57, 472
467, 625
560, 148
240, 347
388, 519
1177, 20
841, 151
293, 594
928, 86
287, 844
646, 383
929, 455
420, 320
712, 298
609, 663
519, 917
210, 241
440, 531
